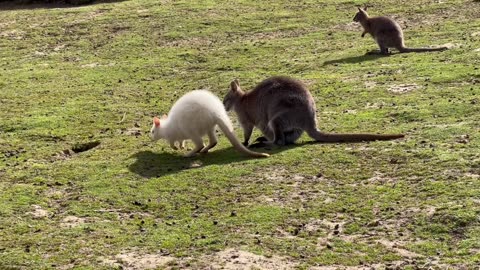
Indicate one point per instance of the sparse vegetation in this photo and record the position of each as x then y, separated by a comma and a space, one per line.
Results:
98, 73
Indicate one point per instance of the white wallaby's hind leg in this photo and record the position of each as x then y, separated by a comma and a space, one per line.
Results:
172, 145
182, 144
212, 138
198, 142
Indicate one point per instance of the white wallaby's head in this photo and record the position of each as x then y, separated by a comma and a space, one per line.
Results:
156, 130
233, 96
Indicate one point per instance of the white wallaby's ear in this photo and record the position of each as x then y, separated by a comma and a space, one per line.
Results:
164, 116
156, 121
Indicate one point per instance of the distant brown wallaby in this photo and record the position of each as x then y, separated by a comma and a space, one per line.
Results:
386, 32
282, 108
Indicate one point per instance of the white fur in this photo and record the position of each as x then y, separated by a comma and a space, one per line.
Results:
193, 116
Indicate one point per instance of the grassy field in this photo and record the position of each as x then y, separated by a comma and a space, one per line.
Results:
99, 73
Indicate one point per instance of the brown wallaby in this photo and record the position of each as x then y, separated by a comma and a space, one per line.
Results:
386, 32
282, 108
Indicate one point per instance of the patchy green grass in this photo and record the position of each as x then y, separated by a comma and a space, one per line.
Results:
69, 76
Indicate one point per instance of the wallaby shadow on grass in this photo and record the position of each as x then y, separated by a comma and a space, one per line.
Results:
38, 4
151, 164
354, 59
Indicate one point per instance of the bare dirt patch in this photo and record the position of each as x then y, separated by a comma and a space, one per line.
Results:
370, 85
403, 88
38, 212
396, 246
351, 26
72, 221
59, 47
379, 179
133, 132
333, 230
324, 225
133, 260
13, 34
390, 233
234, 259
229, 259
123, 214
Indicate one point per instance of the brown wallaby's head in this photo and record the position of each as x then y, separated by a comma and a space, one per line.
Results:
361, 15
233, 96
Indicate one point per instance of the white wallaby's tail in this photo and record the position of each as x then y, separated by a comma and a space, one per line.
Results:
331, 138
226, 127
406, 50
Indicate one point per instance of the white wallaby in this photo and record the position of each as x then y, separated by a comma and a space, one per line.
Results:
193, 116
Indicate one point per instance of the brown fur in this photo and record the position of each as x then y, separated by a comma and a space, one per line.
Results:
386, 32
282, 108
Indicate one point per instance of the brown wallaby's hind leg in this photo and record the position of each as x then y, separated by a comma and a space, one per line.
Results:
383, 50
379, 52
293, 135
275, 131
278, 127
290, 136
262, 141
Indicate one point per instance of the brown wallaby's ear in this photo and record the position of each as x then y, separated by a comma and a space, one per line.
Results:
359, 8
234, 85
365, 8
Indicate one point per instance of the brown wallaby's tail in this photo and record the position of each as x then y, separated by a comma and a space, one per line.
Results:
332, 137
406, 50
226, 127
